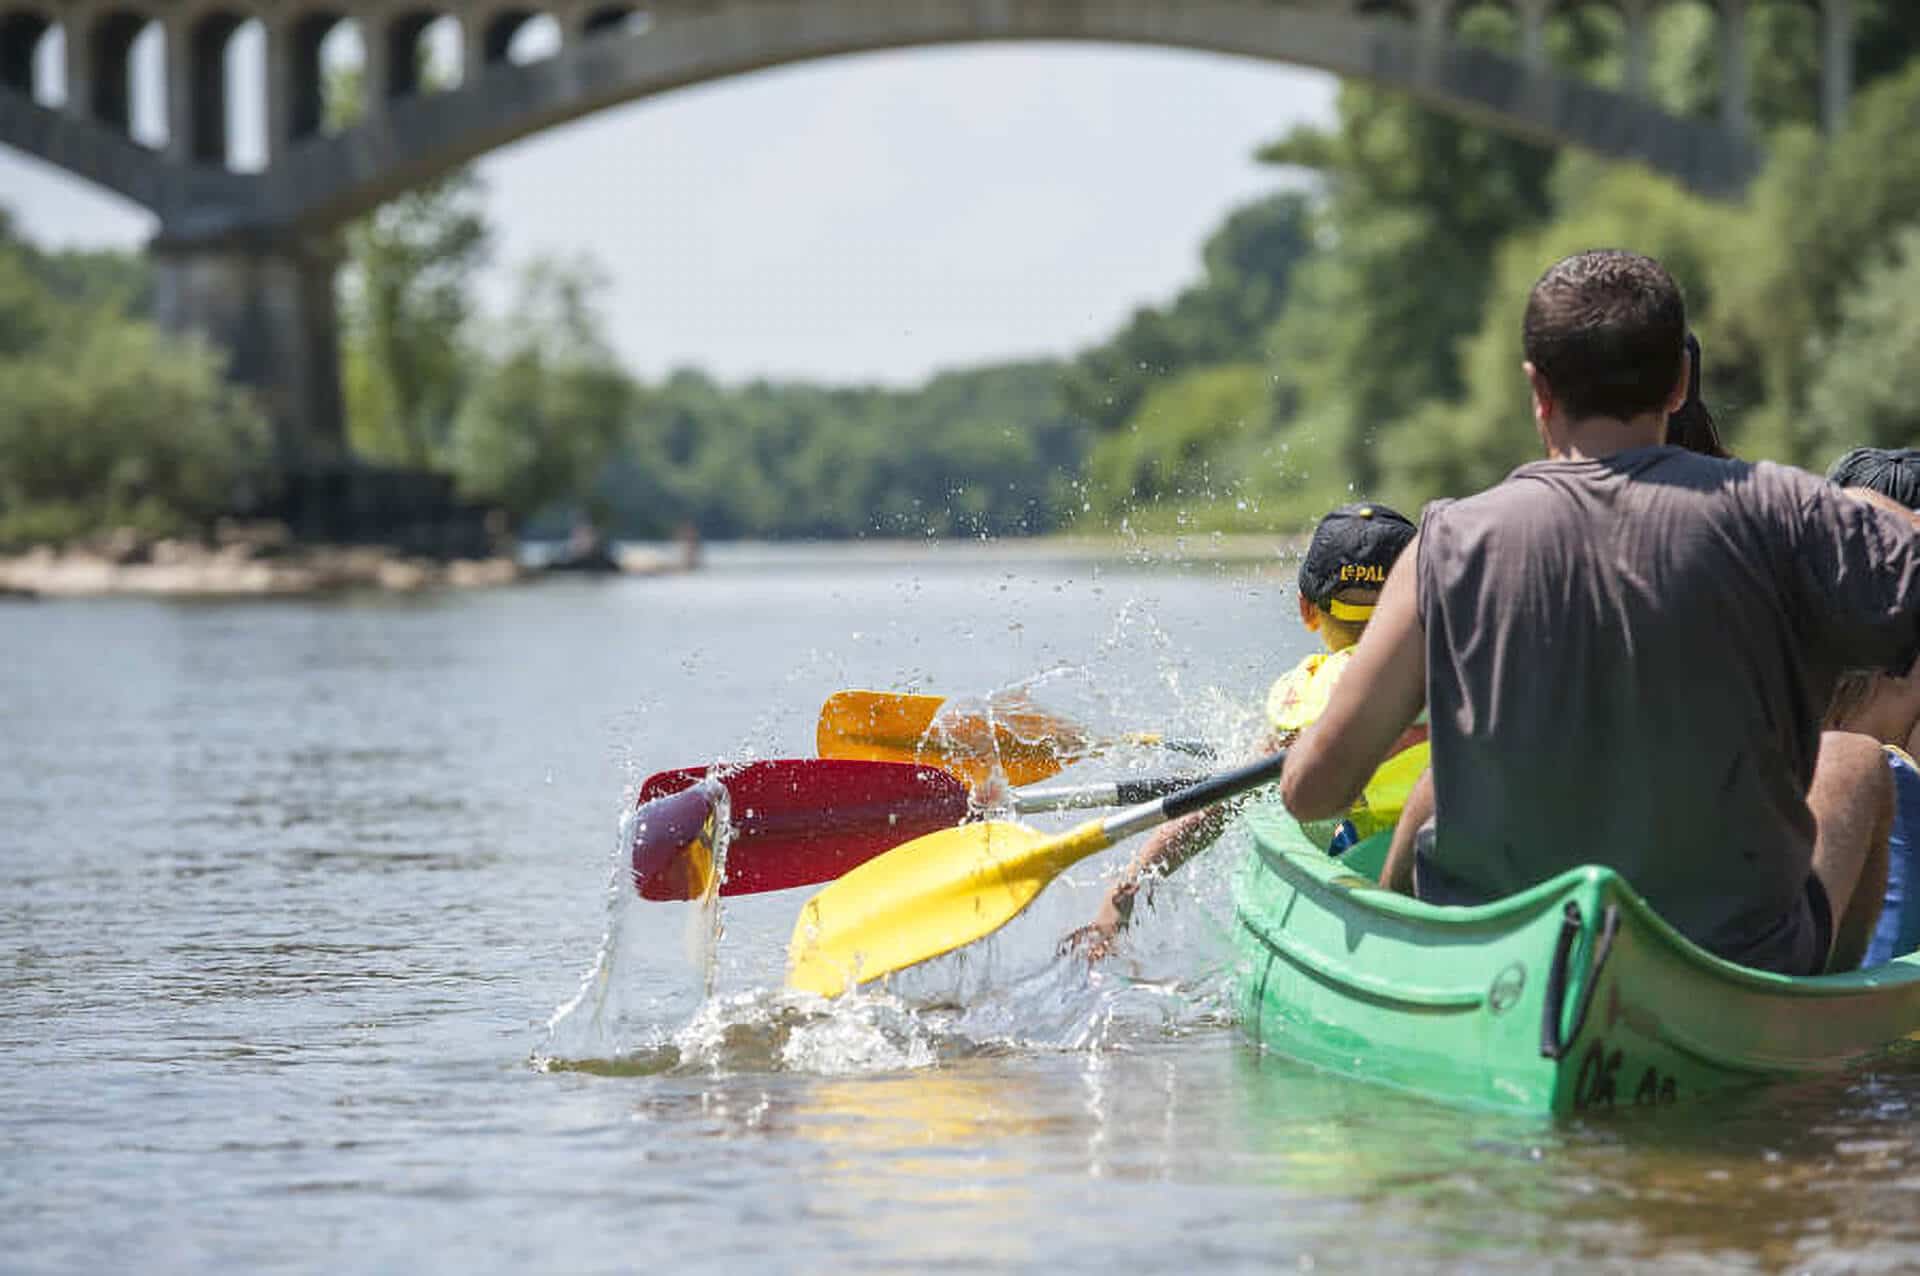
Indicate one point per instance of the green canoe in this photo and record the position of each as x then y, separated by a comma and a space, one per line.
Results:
1569, 997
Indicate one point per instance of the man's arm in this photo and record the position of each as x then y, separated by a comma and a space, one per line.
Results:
1376, 699
1859, 574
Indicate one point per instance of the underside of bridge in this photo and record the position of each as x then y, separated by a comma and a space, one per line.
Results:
246, 254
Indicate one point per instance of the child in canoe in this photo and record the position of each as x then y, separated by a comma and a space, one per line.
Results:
1886, 706
1346, 563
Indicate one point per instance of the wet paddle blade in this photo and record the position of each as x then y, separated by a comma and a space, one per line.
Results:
1028, 744
795, 821
928, 897
673, 845
950, 888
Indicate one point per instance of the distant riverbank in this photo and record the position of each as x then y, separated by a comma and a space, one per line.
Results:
1198, 549
189, 569
266, 566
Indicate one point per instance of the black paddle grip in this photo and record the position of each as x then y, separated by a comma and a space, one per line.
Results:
1224, 786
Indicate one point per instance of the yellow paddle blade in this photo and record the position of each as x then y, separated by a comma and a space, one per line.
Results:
927, 897
1028, 744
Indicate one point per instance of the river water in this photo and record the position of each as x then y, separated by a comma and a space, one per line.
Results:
292, 895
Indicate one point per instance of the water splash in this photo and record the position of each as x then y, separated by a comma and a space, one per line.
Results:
1009, 993
705, 921
587, 1025
599, 1020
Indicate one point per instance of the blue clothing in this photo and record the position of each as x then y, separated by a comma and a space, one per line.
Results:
1898, 932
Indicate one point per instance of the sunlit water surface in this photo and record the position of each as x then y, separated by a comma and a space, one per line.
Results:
292, 896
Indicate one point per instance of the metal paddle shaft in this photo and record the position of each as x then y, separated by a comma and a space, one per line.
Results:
947, 889
1066, 797
804, 821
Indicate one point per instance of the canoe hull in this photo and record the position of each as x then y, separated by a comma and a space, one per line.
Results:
1569, 997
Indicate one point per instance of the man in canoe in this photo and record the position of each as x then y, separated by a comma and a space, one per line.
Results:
1626, 651
1347, 561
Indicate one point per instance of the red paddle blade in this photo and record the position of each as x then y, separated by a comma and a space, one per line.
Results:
673, 845
796, 822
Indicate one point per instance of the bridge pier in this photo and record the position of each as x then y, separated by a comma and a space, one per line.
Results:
1733, 67
269, 307
1836, 57
1639, 51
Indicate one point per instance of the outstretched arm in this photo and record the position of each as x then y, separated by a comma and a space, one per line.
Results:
1376, 699
1170, 846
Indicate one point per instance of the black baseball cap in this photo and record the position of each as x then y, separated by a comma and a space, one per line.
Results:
1355, 546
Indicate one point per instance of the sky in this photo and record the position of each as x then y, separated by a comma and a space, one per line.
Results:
868, 218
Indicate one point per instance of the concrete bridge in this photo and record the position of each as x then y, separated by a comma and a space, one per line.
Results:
248, 258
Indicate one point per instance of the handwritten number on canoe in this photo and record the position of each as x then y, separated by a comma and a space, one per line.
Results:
1597, 1085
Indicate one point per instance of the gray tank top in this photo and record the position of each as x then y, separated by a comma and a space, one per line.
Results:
1627, 664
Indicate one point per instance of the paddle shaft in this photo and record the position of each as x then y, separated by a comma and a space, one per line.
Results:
1217, 788
1067, 797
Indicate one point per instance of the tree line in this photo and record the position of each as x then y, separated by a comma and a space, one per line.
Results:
1356, 335
1391, 369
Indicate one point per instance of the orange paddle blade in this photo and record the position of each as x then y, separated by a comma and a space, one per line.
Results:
1028, 744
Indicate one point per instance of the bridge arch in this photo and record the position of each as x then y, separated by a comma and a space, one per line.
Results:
327, 181
248, 259
614, 53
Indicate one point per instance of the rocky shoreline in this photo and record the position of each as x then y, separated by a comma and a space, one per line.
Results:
186, 569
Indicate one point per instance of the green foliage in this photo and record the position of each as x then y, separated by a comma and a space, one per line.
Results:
1886, 38
106, 422
1825, 212
1249, 270
88, 277
1178, 444
1415, 205
985, 450
548, 411
405, 305
110, 424
407, 301
1395, 365
1866, 380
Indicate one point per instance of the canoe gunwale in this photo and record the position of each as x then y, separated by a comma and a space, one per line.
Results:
1290, 855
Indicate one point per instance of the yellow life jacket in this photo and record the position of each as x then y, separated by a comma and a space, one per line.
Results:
1298, 698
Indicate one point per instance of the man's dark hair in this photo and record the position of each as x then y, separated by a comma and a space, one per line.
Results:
1608, 331
1891, 472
